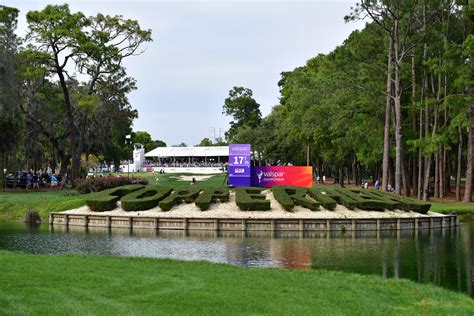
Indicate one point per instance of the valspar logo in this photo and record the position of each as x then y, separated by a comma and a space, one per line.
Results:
269, 175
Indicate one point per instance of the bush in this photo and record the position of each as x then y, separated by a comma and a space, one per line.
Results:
208, 196
145, 199
107, 200
324, 199
352, 199
342, 199
401, 202
186, 195
250, 199
97, 184
288, 196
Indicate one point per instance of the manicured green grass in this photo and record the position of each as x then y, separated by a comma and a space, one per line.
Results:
14, 204
460, 208
78, 285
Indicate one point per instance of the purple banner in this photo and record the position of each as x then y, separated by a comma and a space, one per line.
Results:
239, 165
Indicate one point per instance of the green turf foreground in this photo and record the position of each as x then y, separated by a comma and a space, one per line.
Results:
78, 285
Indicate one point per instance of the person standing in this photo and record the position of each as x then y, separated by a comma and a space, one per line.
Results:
35, 181
377, 184
324, 179
29, 179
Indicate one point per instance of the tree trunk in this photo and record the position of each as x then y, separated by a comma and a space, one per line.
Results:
307, 154
398, 112
459, 165
386, 135
436, 174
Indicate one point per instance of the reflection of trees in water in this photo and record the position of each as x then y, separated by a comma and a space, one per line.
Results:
441, 256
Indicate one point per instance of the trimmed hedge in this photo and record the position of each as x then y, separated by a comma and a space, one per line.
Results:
250, 199
402, 202
209, 196
324, 199
107, 200
145, 199
288, 196
186, 195
97, 184
351, 200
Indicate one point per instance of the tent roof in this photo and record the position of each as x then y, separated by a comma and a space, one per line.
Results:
222, 151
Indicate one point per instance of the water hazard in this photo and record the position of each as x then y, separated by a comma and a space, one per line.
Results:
440, 256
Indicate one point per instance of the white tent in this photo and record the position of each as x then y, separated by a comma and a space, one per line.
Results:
167, 152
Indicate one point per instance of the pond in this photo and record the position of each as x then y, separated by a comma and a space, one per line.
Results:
440, 256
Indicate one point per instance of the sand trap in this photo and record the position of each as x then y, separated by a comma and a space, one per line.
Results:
230, 210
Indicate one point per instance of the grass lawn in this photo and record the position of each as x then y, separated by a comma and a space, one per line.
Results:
460, 208
78, 285
14, 204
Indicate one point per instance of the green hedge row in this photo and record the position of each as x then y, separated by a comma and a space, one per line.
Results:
324, 199
145, 199
288, 196
401, 202
250, 199
352, 200
186, 195
209, 196
107, 200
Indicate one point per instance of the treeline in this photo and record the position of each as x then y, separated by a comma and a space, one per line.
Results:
63, 89
393, 102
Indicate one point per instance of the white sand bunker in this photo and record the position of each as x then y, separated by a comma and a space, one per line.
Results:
190, 178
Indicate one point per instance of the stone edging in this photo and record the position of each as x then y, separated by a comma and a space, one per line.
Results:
256, 224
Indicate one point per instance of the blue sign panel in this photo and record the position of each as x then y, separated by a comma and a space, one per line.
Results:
239, 165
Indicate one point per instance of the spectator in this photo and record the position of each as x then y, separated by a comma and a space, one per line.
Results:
59, 180
366, 185
29, 179
324, 178
35, 181
377, 184
54, 181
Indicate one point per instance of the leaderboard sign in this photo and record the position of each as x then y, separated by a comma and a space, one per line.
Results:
242, 174
239, 165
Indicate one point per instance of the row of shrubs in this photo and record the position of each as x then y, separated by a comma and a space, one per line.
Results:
97, 184
250, 199
288, 197
139, 197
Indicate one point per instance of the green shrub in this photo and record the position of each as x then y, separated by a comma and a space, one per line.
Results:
342, 199
107, 200
324, 199
185, 195
145, 199
401, 202
208, 196
250, 199
352, 199
288, 196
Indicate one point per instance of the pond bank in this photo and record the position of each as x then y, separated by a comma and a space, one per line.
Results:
118, 285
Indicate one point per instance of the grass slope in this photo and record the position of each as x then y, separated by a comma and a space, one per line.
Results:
14, 204
77, 285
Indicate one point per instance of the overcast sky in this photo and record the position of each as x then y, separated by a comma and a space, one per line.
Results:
201, 49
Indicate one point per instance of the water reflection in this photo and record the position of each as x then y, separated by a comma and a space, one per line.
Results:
441, 256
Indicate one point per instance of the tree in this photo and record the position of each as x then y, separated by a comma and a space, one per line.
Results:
143, 138
10, 116
182, 144
159, 143
205, 142
244, 110
94, 47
